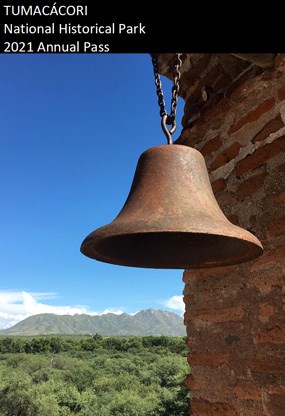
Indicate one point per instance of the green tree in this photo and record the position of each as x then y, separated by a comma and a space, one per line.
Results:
20, 398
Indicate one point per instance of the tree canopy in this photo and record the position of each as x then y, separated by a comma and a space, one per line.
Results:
93, 375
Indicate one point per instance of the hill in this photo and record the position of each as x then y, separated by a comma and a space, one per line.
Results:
147, 322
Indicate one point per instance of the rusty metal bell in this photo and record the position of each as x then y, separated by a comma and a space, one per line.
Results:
171, 219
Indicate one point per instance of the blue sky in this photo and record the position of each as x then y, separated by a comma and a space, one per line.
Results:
72, 130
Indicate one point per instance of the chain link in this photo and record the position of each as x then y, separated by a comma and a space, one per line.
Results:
168, 119
158, 85
175, 88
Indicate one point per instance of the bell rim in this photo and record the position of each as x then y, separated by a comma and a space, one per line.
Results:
89, 248
118, 229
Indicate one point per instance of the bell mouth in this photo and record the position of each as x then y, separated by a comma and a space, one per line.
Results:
170, 250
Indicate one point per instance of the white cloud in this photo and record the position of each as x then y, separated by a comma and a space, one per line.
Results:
119, 312
176, 303
18, 305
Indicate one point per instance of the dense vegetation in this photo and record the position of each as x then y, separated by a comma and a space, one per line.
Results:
93, 376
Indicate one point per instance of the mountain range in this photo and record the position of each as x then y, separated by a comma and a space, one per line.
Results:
146, 322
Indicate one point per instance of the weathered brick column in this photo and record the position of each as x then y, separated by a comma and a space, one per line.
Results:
235, 318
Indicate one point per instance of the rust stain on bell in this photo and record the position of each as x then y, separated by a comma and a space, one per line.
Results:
171, 219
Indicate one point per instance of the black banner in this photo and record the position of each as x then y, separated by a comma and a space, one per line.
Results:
84, 26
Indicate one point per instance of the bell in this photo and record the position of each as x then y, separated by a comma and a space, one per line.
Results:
171, 219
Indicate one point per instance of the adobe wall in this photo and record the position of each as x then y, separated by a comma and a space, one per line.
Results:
235, 315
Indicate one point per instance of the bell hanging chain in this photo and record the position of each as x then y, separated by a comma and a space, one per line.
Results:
167, 119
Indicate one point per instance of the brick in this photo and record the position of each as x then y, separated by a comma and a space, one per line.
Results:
213, 316
186, 276
225, 198
269, 256
213, 360
280, 62
214, 115
211, 146
276, 198
189, 275
191, 343
222, 409
200, 408
260, 156
187, 317
189, 138
263, 379
271, 127
281, 168
218, 185
267, 365
226, 156
281, 197
278, 227
271, 336
189, 299
248, 390
250, 186
276, 405
265, 311
253, 115
281, 93
233, 219
265, 284
280, 390
253, 220
194, 383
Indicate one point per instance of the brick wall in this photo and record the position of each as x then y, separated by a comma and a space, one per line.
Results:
235, 315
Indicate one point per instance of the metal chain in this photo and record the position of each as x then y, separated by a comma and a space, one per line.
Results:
175, 88
158, 85
168, 119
